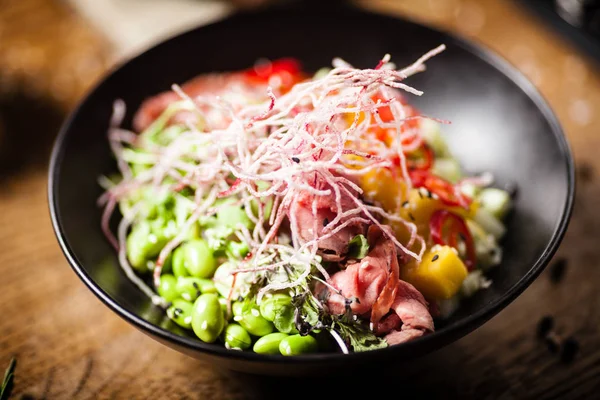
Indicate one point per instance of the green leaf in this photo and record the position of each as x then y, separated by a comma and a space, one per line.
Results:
366, 342
361, 338
7, 383
358, 247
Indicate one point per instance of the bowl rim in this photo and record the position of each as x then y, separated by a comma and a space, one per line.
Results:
418, 346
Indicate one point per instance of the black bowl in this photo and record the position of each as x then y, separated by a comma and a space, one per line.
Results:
500, 123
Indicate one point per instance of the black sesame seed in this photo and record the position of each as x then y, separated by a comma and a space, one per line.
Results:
569, 349
243, 207
544, 326
195, 285
435, 257
177, 312
420, 193
405, 204
412, 217
557, 270
429, 194
357, 300
296, 160
325, 222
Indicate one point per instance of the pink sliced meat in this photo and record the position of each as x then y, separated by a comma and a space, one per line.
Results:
363, 281
153, 107
404, 335
333, 247
384, 254
375, 282
413, 310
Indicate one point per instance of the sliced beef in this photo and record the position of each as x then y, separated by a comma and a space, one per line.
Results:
375, 282
207, 84
333, 248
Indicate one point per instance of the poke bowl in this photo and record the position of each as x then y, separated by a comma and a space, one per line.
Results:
335, 197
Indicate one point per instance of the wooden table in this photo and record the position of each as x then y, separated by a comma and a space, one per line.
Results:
69, 345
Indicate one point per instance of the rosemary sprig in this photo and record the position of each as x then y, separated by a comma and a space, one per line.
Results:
7, 383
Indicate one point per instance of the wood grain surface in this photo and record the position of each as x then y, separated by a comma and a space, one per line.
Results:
69, 345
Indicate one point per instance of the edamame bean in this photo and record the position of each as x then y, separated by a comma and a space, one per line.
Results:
180, 312
141, 245
237, 308
237, 249
177, 263
237, 337
197, 258
223, 303
280, 311
298, 344
231, 216
167, 288
269, 344
189, 288
254, 323
269, 306
208, 320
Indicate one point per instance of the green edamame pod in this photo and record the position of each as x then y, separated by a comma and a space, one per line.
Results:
167, 288
254, 323
298, 344
180, 312
237, 337
189, 288
208, 320
198, 258
269, 344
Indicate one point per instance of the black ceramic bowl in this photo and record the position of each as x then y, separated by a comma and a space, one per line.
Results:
500, 123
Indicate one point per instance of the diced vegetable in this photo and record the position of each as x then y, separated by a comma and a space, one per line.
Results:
383, 187
496, 201
469, 190
433, 136
473, 283
447, 168
487, 249
489, 223
439, 275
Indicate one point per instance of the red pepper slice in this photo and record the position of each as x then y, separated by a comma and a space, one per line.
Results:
446, 191
288, 69
426, 159
456, 230
423, 162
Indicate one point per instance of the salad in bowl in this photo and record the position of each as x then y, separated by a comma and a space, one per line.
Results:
268, 208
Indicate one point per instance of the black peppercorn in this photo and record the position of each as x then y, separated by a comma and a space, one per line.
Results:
569, 349
544, 326
557, 270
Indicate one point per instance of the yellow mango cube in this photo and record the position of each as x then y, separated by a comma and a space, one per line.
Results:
419, 207
440, 274
382, 186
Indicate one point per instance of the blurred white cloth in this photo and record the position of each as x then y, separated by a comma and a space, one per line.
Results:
134, 25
